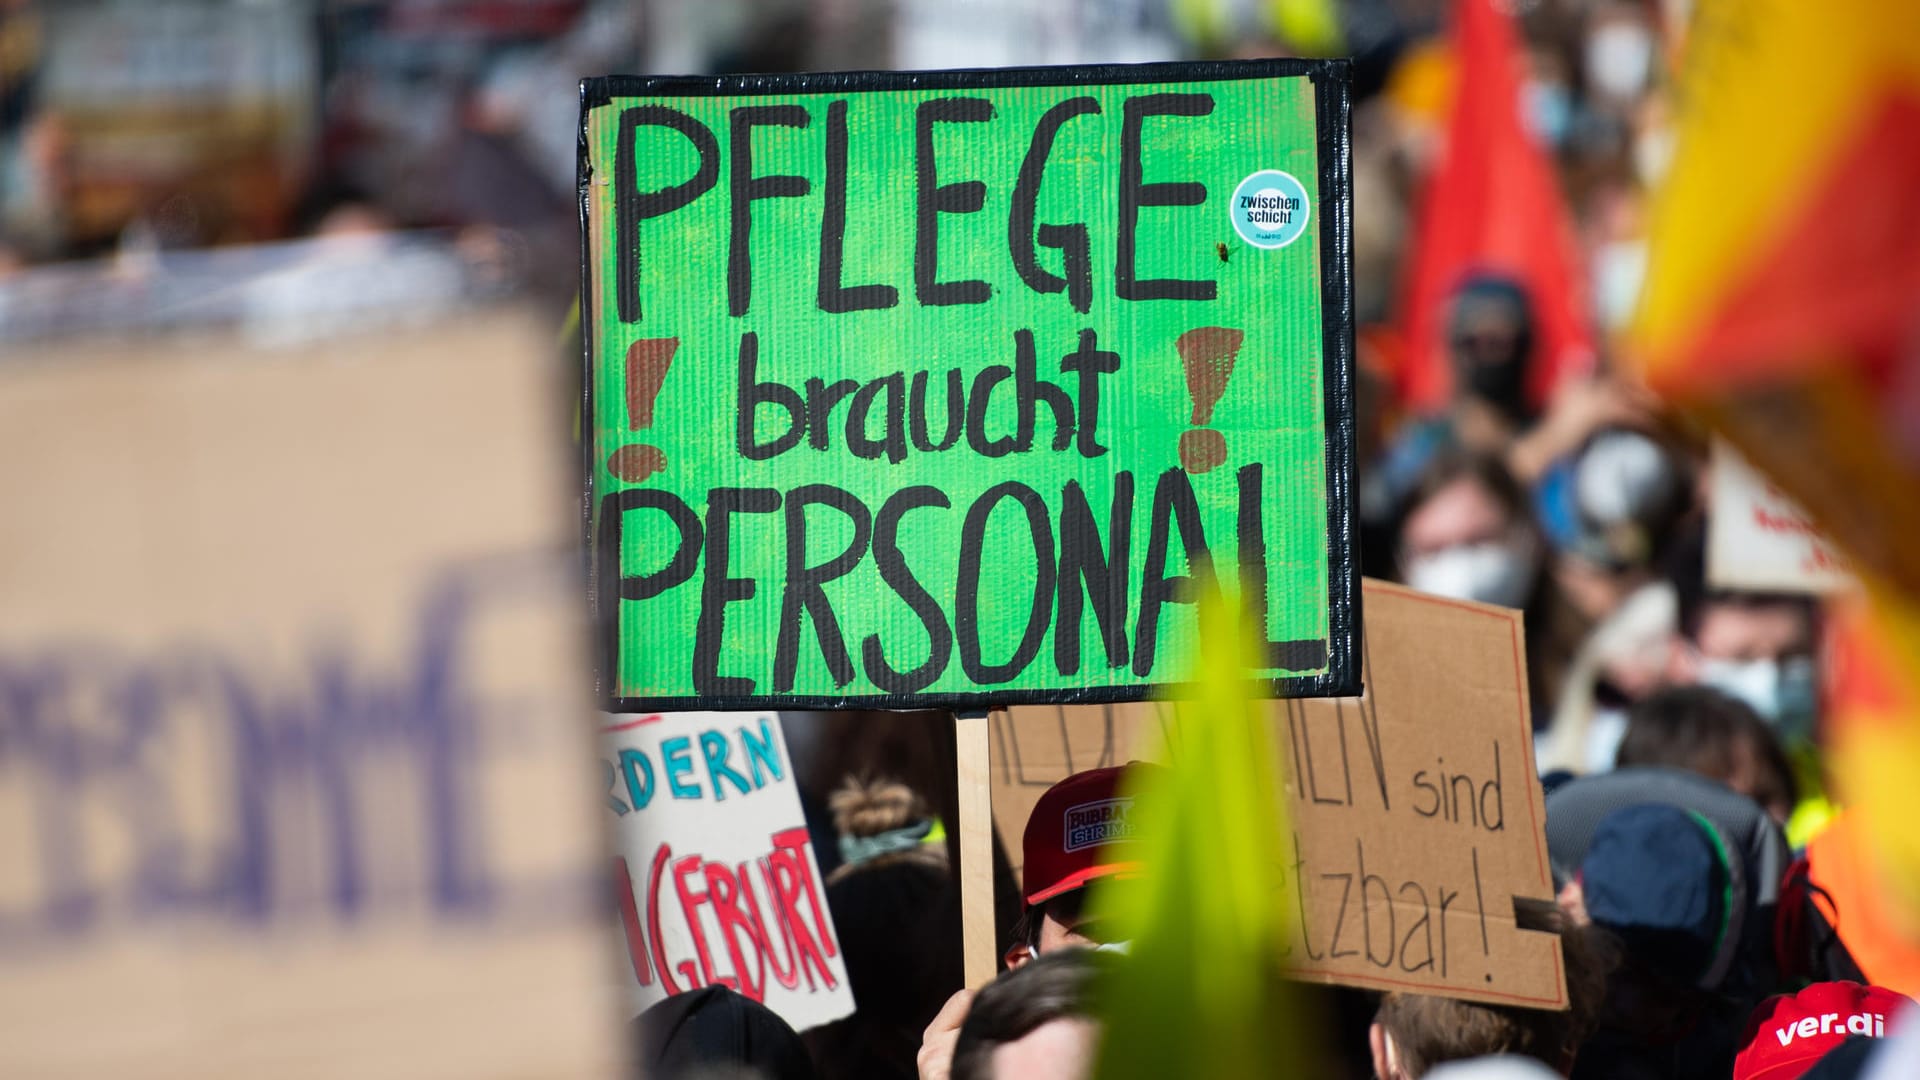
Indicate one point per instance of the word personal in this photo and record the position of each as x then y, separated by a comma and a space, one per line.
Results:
1074, 573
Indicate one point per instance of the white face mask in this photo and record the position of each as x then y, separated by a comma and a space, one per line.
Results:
1619, 266
1494, 572
1782, 692
1619, 59
1653, 154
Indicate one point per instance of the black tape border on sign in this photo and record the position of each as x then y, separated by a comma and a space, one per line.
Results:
1333, 88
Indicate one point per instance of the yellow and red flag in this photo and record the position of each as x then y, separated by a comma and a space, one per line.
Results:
1867, 860
1782, 298
1782, 306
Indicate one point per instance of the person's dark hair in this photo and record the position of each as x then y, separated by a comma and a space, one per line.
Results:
1700, 729
1064, 908
1494, 290
1485, 470
1655, 1028
1057, 986
1687, 569
715, 1032
1693, 609
1488, 473
897, 912
1429, 1030
1554, 629
882, 823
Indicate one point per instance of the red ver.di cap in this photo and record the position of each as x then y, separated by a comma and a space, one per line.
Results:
1789, 1034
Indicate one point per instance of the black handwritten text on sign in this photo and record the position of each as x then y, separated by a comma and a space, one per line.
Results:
950, 388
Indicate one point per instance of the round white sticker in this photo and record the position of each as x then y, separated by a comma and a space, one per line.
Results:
1269, 209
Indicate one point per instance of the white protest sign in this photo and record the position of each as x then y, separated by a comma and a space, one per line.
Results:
1759, 538
716, 880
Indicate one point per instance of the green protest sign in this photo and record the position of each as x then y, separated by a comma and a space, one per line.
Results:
948, 388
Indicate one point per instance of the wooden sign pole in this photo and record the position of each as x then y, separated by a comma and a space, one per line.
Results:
970, 730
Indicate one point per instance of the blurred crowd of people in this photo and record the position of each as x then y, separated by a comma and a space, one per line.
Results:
1696, 943
186, 123
1717, 916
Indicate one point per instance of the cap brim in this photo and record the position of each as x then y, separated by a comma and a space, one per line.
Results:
1784, 1070
1080, 877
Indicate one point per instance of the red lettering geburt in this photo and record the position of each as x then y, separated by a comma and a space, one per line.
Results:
723, 892
683, 868
654, 878
630, 922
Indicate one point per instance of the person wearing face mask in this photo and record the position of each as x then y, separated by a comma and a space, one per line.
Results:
1781, 688
1468, 534
1755, 647
1079, 832
1614, 516
1490, 337
1491, 341
1619, 54
1758, 648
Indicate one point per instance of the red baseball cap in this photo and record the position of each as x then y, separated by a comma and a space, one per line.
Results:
1789, 1033
1081, 829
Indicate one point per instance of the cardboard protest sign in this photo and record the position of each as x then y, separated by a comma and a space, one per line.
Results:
1416, 820
716, 879
1759, 538
953, 388
292, 728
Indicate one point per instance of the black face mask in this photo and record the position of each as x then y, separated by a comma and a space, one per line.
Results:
1500, 383
1491, 339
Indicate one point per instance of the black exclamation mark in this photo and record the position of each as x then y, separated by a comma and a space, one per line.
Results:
1208, 354
647, 362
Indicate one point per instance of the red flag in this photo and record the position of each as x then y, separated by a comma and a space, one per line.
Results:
1491, 206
